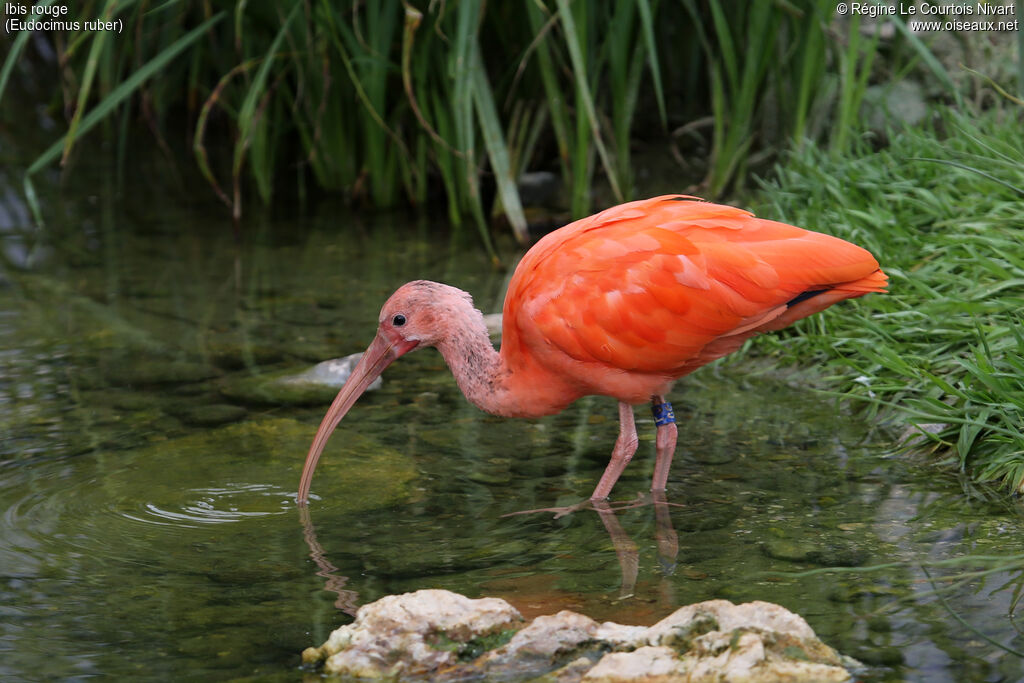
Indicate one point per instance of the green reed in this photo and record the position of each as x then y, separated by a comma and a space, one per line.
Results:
400, 102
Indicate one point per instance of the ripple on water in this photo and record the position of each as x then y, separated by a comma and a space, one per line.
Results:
215, 505
67, 506
86, 516
132, 503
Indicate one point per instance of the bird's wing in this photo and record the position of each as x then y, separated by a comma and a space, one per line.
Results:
653, 285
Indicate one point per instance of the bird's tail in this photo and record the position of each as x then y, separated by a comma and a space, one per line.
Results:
823, 298
876, 282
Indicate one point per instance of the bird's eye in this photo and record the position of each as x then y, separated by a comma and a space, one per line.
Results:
398, 320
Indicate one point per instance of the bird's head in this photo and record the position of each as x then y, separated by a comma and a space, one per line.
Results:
418, 314
422, 313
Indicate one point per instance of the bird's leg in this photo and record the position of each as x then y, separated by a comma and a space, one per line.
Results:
665, 443
625, 447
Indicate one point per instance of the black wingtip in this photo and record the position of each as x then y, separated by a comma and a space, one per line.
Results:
804, 296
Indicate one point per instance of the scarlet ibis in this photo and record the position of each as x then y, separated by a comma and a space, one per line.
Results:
618, 304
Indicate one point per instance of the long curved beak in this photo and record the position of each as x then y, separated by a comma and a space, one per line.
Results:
381, 353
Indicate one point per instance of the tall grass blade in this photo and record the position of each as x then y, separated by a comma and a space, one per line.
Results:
17, 47
99, 40
647, 22
926, 55
112, 100
812, 64
555, 97
497, 150
983, 174
198, 143
461, 66
584, 96
1020, 61
247, 115
346, 60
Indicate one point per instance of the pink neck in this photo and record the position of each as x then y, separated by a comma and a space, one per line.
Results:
495, 383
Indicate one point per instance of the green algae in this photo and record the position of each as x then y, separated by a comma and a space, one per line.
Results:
354, 467
469, 650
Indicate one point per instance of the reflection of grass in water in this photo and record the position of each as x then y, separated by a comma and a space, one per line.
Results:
996, 564
964, 623
943, 213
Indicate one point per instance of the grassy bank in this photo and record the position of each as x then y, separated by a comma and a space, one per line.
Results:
943, 210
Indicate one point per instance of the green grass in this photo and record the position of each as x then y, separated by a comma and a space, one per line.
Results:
396, 102
943, 210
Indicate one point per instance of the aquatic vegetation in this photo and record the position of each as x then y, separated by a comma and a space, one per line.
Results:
395, 102
942, 208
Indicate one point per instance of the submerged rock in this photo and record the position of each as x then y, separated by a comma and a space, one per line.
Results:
439, 635
331, 373
314, 386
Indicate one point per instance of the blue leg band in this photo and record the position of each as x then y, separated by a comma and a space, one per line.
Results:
663, 414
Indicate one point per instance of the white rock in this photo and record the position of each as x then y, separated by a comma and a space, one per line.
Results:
411, 633
331, 373
622, 636
643, 664
422, 634
687, 622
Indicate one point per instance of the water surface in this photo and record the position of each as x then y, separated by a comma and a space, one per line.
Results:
148, 527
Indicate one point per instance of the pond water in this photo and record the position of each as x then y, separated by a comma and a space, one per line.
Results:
148, 527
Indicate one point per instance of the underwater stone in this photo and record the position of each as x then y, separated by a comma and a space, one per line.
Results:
438, 635
314, 386
709, 517
333, 373
791, 550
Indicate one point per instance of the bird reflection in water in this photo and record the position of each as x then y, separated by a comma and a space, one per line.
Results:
626, 549
348, 600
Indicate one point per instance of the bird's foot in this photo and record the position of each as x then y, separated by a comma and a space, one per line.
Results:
600, 505
559, 512
641, 500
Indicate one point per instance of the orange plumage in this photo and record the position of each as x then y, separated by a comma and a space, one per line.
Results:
619, 304
623, 302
